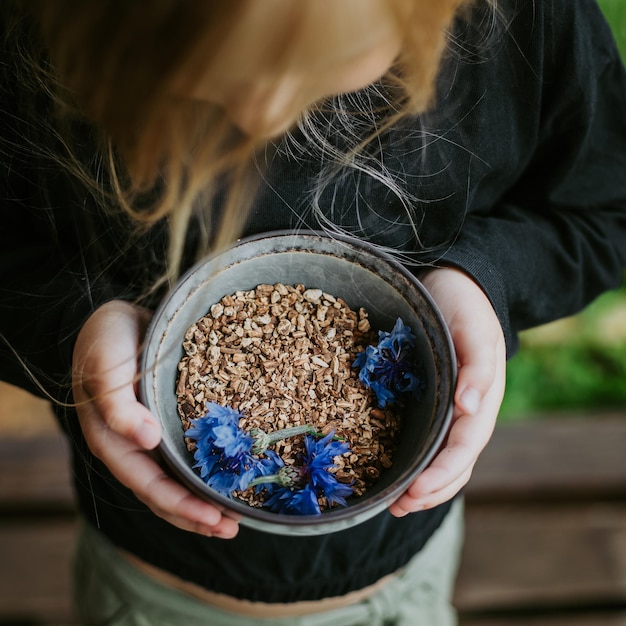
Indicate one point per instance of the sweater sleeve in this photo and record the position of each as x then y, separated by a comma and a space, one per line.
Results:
56, 265
46, 291
62, 254
556, 238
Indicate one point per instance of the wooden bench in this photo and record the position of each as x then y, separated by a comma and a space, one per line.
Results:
546, 527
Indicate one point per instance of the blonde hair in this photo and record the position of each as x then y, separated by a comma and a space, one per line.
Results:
113, 63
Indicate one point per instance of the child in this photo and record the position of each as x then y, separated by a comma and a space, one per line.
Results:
483, 144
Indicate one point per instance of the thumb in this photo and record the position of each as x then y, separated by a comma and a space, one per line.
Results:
475, 331
478, 359
105, 368
123, 413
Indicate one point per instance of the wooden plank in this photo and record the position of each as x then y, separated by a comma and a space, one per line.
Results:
23, 414
35, 572
557, 458
551, 459
543, 556
35, 474
515, 557
539, 535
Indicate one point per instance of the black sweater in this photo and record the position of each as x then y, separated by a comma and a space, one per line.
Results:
519, 178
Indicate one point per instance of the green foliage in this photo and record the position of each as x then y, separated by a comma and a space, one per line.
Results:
615, 13
576, 364
565, 377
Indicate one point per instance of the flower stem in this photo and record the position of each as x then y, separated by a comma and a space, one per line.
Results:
264, 440
292, 431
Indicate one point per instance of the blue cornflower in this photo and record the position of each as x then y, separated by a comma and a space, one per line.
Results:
291, 501
296, 489
227, 457
389, 368
223, 451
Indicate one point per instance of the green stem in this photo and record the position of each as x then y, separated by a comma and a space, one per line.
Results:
264, 480
265, 440
292, 431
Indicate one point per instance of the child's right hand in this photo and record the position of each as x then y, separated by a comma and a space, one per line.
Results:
481, 354
119, 430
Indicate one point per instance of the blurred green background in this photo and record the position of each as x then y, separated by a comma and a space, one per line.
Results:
577, 364
615, 12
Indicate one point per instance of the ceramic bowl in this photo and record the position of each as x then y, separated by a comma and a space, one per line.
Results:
360, 275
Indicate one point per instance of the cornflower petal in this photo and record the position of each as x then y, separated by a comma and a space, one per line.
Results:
223, 450
389, 368
223, 414
201, 430
268, 466
232, 440
229, 458
294, 501
313, 471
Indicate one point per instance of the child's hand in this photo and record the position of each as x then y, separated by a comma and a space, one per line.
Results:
120, 430
481, 356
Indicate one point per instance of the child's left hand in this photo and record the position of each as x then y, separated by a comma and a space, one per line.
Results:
481, 356
119, 429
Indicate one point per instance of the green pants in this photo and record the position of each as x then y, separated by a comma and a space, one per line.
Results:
110, 591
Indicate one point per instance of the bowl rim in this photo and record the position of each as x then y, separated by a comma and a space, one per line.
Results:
337, 518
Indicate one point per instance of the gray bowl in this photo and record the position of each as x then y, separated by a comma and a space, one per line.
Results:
346, 268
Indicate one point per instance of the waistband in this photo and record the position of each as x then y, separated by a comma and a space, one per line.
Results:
138, 579
264, 610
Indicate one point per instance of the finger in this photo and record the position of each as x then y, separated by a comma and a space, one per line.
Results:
467, 438
483, 374
479, 356
452, 467
408, 504
122, 413
170, 500
475, 331
126, 416
166, 497
105, 369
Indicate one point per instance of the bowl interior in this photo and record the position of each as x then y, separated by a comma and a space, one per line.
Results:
345, 270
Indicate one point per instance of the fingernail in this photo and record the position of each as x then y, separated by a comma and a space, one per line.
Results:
219, 534
148, 435
470, 400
